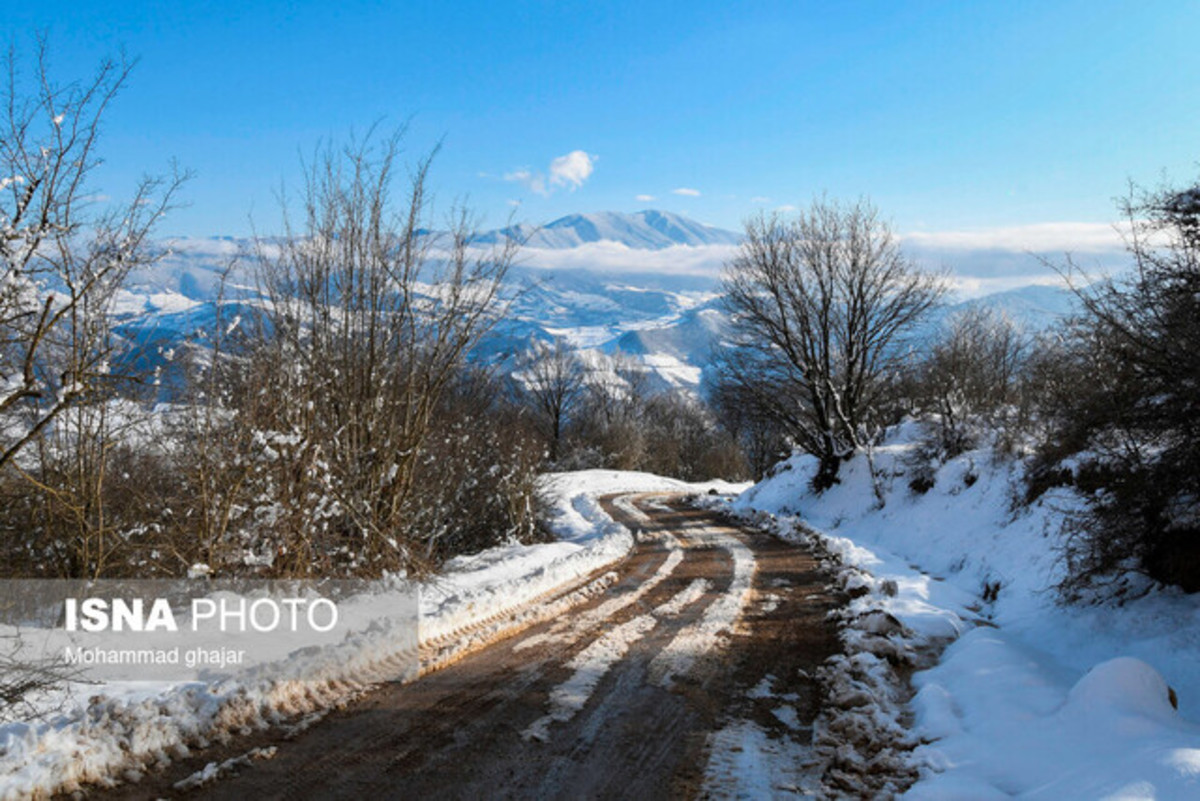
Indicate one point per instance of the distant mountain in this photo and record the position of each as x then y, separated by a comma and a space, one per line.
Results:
645, 230
1033, 308
678, 351
192, 269
668, 323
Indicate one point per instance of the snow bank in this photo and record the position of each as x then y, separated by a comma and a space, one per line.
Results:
115, 731
1031, 699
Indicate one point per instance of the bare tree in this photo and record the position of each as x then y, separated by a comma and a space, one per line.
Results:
763, 440
554, 380
369, 317
684, 440
821, 306
971, 375
63, 253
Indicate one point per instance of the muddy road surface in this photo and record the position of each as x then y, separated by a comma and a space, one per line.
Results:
705, 625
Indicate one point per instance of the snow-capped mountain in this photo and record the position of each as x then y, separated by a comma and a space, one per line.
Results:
193, 268
645, 230
670, 323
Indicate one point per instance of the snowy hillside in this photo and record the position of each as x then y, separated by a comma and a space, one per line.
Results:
1034, 308
1030, 699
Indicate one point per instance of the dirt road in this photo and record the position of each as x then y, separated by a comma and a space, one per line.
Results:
707, 628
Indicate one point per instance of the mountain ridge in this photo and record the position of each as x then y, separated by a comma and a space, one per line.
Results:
649, 229
665, 321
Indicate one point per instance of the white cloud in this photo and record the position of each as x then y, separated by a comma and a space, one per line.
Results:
572, 169
568, 171
787, 208
614, 257
1075, 237
760, 199
536, 182
981, 261
686, 191
1024, 253
965, 287
645, 198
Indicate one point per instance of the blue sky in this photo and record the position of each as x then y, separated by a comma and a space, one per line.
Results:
949, 115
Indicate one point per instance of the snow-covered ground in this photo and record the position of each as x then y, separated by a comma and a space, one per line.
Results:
116, 730
1031, 699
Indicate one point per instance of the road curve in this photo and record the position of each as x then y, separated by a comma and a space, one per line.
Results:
618, 698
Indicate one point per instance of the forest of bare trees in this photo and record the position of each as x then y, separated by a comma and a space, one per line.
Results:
824, 309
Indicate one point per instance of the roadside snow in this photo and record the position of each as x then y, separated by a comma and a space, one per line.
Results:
114, 731
215, 770
1033, 699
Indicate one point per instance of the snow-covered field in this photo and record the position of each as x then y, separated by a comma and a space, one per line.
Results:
1031, 699
114, 731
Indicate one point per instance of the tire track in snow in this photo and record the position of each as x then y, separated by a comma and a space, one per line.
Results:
688, 596
593, 662
453, 733
590, 665
569, 628
710, 632
455, 645
625, 504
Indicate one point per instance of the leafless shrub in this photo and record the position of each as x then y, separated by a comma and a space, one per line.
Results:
552, 380
762, 439
63, 256
25, 683
970, 379
477, 486
620, 423
1131, 419
367, 321
609, 426
684, 440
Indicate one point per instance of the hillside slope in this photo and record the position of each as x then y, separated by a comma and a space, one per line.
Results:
1034, 699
